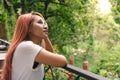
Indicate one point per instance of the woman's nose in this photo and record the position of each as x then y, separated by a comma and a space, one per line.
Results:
45, 26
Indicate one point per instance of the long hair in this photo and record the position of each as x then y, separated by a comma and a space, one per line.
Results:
20, 34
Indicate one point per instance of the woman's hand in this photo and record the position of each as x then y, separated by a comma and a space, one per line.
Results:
47, 44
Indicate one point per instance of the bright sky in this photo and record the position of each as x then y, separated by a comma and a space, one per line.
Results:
105, 6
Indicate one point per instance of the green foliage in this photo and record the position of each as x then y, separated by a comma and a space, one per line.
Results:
2, 18
108, 60
116, 10
76, 28
55, 73
10, 24
9, 19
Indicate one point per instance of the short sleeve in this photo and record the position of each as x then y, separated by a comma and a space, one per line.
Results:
23, 60
27, 50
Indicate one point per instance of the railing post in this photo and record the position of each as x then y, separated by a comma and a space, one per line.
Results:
85, 65
71, 61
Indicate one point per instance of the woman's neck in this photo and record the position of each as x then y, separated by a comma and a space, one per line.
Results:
36, 40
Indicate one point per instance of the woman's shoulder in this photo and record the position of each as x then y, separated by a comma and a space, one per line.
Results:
26, 44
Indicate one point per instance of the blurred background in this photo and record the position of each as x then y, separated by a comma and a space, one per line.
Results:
88, 30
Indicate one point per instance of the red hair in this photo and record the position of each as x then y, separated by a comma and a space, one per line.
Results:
20, 34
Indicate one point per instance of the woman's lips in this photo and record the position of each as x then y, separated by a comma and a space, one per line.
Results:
45, 31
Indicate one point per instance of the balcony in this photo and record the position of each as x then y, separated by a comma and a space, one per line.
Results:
73, 69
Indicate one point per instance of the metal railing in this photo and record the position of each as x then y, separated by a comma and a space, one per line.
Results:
79, 72
3, 48
83, 73
4, 45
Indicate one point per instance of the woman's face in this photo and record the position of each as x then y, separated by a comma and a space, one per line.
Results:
39, 27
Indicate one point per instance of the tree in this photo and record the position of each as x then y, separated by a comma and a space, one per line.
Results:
73, 24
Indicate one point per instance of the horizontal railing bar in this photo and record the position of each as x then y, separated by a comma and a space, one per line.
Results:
6, 42
83, 73
80, 72
3, 52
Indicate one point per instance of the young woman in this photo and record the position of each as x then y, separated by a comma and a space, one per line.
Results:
25, 58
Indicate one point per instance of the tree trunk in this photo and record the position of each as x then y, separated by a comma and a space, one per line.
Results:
2, 31
7, 4
22, 6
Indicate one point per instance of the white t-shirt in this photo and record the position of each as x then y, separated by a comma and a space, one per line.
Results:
23, 60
